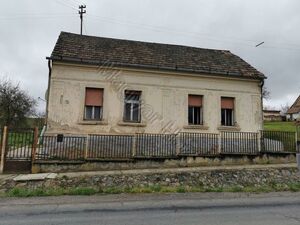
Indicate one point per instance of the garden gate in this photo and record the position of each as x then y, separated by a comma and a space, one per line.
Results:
19, 145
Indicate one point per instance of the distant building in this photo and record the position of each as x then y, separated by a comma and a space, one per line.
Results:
294, 111
272, 115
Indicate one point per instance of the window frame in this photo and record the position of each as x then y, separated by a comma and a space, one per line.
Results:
201, 119
93, 113
232, 114
193, 117
132, 102
226, 123
93, 106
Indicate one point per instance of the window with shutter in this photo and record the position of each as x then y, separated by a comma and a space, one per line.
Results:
93, 103
227, 111
195, 112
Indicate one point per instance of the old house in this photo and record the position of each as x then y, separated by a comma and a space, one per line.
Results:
272, 115
105, 85
294, 111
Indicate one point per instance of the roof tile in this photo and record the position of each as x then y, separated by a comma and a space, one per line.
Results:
74, 47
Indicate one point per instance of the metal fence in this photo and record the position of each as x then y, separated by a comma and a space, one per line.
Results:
196, 144
155, 145
278, 141
115, 147
66, 148
19, 144
239, 143
109, 146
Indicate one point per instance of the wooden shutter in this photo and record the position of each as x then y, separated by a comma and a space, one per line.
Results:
227, 103
94, 97
195, 100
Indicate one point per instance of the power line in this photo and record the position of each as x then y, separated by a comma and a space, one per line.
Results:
261, 43
75, 2
39, 16
167, 30
64, 3
164, 29
232, 40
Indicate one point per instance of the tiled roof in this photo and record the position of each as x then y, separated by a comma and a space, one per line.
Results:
295, 108
98, 50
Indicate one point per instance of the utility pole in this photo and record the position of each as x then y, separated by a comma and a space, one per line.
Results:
81, 12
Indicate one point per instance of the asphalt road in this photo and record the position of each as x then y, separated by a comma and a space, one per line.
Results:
171, 209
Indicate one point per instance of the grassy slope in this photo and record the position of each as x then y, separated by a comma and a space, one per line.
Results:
24, 192
280, 126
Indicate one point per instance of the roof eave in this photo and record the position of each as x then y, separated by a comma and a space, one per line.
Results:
139, 66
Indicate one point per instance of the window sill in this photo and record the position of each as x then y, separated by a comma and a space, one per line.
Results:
92, 122
199, 127
132, 124
229, 128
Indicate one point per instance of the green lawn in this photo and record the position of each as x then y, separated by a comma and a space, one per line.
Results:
280, 126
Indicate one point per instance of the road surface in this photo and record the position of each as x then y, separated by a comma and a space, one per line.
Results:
167, 209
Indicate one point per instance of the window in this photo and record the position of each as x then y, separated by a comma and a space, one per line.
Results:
93, 104
227, 111
195, 110
132, 107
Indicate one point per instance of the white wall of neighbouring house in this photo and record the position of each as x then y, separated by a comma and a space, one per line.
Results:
164, 100
295, 116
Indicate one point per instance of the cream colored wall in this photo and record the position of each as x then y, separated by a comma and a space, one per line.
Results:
164, 97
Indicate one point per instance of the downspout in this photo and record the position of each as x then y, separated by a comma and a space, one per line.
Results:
262, 83
48, 90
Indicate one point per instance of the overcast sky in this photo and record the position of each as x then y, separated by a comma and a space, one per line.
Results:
30, 28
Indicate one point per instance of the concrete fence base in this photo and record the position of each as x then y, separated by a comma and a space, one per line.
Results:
60, 166
298, 160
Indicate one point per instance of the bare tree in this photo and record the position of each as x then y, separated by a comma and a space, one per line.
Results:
265, 93
284, 108
15, 104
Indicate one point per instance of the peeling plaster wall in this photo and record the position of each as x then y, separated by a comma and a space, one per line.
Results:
164, 100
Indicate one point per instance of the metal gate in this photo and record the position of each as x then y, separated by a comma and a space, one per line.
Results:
18, 150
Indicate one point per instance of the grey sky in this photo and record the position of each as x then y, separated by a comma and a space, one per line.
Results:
29, 30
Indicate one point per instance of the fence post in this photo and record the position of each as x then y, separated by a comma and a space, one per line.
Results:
220, 143
4, 139
298, 138
134, 145
178, 144
259, 141
86, 150
35, 144
296, 141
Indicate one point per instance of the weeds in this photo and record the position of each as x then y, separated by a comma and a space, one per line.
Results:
25, 192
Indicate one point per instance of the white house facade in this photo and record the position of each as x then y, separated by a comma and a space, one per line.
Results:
110, 86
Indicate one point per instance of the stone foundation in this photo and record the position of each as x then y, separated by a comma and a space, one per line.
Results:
190, 177
45, 167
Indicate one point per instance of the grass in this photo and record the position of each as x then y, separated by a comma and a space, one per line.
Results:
280, 126
24, 192
272, 187
20, 139
288, 139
